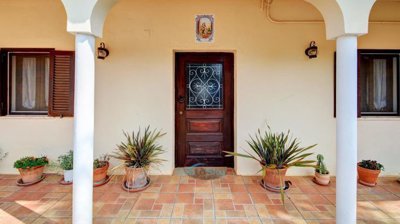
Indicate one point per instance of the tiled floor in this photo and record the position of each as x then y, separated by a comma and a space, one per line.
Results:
182, 199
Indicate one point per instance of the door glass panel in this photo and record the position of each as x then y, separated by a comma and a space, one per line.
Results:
204, 86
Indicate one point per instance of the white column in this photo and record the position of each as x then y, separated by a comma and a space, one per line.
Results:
346, 129
83, 129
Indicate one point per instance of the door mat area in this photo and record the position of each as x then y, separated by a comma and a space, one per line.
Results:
202, 173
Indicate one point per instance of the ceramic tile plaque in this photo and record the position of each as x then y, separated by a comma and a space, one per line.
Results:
205, 28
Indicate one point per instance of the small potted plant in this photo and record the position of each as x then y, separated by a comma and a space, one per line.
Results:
100, 168
322, 176
368, 172
66, 163
276, 152
138, 153
31, 168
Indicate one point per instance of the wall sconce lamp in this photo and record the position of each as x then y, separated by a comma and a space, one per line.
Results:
312, 50
102, 51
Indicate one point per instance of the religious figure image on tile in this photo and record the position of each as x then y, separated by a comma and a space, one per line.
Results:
205, 28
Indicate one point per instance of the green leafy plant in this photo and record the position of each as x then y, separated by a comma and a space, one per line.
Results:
371, 164
321, 167
101, 161
66, 161
30, 161
277, 150
140, 150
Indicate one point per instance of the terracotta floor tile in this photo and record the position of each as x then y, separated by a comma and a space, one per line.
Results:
255, 188
283, 212
238, 187
241, 198
224, 204
186, 188
144, 204
193, 210
187, 198
184, 199
166, 198
168, 188
391, 208
111, 210
367, 211
260, 198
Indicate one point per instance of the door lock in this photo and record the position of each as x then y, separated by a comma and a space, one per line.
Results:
181, 99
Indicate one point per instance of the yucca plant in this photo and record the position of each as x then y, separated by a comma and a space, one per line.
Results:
140, 150
138, 153
277, 150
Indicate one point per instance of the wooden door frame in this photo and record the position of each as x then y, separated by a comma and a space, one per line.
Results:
232, 98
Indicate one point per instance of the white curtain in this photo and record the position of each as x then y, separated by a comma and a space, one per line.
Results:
46, 80
28, 82
380, 84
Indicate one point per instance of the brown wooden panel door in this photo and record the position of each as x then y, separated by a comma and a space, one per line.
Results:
203, 109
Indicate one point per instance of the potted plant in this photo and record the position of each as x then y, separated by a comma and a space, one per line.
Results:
322, 176
137, 154
31, 168
276, 152
66, 163
368, 172
100, 168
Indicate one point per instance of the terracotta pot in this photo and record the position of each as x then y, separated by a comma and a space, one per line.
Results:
135, 177
274, 178
322, 179
367, 177
99, 174
32, 174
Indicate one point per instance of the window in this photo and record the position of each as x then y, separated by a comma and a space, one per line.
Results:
29, 83
378, 81
36, 82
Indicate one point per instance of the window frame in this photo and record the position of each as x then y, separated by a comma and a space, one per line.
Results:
383, 53
369, 51
20, 51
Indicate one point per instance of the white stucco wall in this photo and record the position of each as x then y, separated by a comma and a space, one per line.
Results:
274, 81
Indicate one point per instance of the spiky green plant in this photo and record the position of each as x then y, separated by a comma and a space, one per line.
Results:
140, 150
277, 150
321, 167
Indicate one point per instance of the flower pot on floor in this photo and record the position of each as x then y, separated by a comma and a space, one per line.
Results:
135, 177
68, 176
30, 175
100, 174
367, 177
322, 179
274, 178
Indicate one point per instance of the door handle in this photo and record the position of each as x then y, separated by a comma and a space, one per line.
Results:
180, 112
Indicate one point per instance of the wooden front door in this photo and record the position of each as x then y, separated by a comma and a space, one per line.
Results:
203, 109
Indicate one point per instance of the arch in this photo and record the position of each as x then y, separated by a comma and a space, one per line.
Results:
344, 17
87, 16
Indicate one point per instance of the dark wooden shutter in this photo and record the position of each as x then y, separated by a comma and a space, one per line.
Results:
3, 82
62, 80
